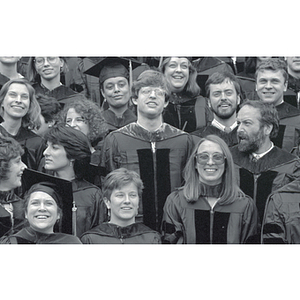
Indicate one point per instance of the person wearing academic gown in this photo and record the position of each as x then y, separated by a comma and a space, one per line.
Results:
122, 189
156, 150
21, 113
45, 75
261, 167
42, 211
11, 171
9, 69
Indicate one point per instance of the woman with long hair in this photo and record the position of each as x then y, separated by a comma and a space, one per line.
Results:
21, 113
67, 156
187, 109
210, 207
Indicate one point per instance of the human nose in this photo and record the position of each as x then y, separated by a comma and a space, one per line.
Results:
268, 84
45, 153
116, 89
42, 206
72, 123
24, 166
127, 199
210, 161
45, 61
152, 94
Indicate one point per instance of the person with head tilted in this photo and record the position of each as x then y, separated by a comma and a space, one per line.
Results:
210, 208
67, 156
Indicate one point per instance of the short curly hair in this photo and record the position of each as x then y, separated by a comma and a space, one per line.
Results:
91, 112
9, 149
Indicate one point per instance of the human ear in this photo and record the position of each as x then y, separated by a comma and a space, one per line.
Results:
107, 202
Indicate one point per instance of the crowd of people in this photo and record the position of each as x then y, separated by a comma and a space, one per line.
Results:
177, 150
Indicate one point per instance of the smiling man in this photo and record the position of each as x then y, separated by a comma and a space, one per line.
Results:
271, 84
155, 150
223, 91
261, 166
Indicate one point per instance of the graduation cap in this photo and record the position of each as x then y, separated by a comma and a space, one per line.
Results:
61, 186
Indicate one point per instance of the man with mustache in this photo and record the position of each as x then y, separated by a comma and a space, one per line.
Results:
155, 150
271, 85
261, 166
223, 92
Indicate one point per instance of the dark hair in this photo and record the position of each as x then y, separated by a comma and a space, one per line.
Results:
220, 77
76, 145
268, 114
31, 119
193, 188
150, 78
273, 64
9, 149
91, 112
119, 178
192, 88
49, 107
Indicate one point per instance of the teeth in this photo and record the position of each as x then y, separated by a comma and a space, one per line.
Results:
42, 217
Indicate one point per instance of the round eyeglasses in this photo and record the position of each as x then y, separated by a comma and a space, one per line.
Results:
39, 61
147, 91
203, 158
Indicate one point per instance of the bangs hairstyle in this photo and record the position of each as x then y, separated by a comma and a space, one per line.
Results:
150, 78
268, 115
220, 77
9, 149
273, 64
33, 76
194, 188
191, 88
76, 145
118, 178
31, 119
91, 113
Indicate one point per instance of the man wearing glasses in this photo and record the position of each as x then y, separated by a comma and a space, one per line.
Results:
152, 148
261, 166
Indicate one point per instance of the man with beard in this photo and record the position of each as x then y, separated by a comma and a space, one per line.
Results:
261, 166
271, 85
223, 91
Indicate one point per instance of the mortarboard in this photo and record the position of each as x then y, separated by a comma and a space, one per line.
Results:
61, 186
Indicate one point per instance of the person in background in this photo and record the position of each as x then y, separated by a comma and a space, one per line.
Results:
223, 92
210, 208
21, 113
11, 171
9, 69
292, 96
187, 110
43, 209
261, 167
49, 113
67, 156
155, 150
122, 190
45, 75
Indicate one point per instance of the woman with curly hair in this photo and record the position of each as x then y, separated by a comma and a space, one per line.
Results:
11, 171
21, 113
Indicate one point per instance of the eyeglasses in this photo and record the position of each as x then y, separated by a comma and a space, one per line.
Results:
41, 60
203, 158
147, 91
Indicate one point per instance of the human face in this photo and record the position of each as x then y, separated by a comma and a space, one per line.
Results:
116, 91
250, 132
123, 205
293, 63
42, 212
75, 120
14, 175
223, 99
16, 102
210, 173
48, 70
150, 102
9, 59
270, 86
56, 157
177, 73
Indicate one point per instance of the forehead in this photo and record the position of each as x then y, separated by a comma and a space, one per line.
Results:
114, 80
227, 84
270, 74
209, 146
38, 195
18, 87
73, 112
249, 112
178, 60
131, 186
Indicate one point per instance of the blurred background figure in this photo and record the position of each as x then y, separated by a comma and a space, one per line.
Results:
122, 190
11, 171
210, 208
9, 69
